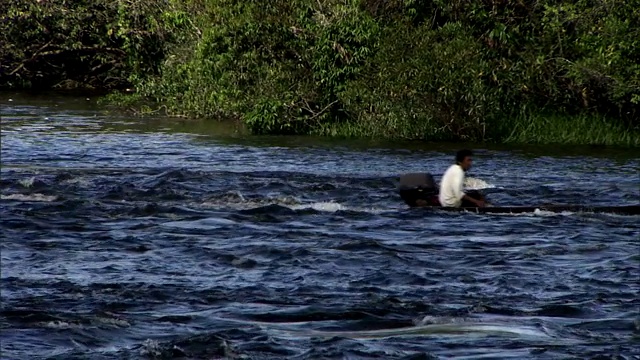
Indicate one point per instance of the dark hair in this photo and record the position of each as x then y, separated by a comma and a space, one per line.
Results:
460, 155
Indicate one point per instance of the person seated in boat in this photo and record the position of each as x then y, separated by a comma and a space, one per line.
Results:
451, 186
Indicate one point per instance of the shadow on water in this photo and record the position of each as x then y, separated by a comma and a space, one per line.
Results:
129, 237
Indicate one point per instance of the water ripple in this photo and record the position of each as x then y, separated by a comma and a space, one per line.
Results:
122, 239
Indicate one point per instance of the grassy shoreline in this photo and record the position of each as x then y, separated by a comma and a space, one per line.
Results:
536, 129
543, 73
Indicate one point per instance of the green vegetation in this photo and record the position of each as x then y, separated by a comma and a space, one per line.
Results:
480, 70
90, 44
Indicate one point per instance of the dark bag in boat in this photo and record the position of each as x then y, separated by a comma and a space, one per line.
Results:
418, 189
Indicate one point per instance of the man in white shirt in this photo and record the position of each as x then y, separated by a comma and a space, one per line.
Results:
451, 186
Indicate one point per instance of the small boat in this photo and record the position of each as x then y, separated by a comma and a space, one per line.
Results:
419, 190
620, 210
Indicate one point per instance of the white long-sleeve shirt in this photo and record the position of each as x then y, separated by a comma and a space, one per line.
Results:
451, 187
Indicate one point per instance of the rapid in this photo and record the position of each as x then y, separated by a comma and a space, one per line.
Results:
143, 238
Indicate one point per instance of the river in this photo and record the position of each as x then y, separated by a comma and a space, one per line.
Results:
127, 237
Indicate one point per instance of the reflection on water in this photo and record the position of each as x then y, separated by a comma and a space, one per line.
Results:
130, 237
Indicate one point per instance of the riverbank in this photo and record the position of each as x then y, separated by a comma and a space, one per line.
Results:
472, 72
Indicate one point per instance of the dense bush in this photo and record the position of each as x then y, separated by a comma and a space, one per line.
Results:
479, 70
87, 44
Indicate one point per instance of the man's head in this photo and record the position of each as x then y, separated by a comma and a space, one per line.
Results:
463, 158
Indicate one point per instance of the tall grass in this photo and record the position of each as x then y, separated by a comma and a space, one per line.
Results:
570, 130
530, 129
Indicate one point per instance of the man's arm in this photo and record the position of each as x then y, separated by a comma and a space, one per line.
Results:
479, 203
458, 186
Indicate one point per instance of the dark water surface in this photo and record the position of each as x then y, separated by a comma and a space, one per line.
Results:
127, 238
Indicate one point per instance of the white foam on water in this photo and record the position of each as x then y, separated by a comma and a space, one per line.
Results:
82, 181
59, 324
430, 320
332, 206
479, 325
547, 213
447, 329
241, 203
151, 348
27, 182
327, 206
539, 212
238, 201
29, 198
471, 183
535, 213
113, 321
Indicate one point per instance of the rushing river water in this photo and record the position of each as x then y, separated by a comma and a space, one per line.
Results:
128, 237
